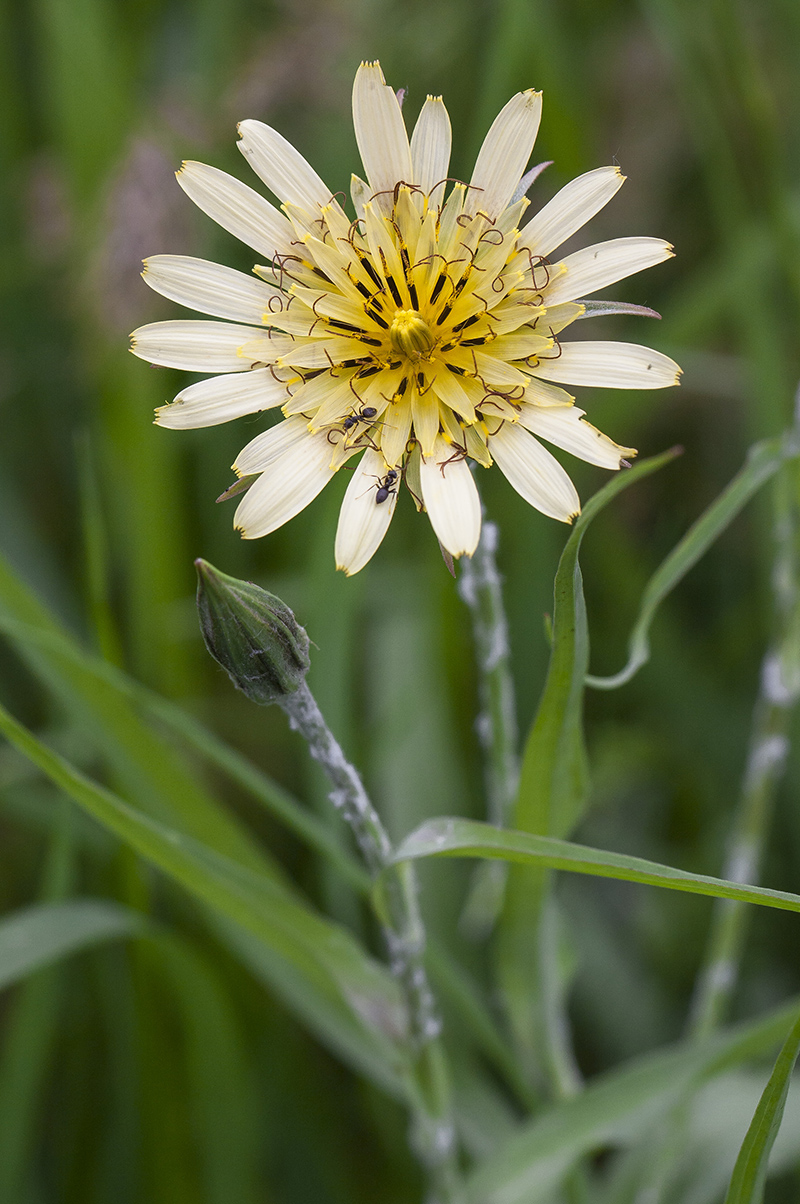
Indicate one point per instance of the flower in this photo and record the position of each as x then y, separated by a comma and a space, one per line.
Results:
420, 336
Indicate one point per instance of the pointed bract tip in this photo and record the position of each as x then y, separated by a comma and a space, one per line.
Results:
252, 634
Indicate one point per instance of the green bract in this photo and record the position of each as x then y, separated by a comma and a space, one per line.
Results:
252, 634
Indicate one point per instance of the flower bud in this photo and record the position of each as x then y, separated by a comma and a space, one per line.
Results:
252, 634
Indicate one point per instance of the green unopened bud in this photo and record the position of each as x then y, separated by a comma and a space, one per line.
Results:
252, 634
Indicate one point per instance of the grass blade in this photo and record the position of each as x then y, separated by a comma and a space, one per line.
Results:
45, 932
615, 1109
468, 838
341, 981
763, 461
552, 790
313, 830
750, 1172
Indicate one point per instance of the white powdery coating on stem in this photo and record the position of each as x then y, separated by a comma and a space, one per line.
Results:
405, 939
774, 686
348, 794
766, 759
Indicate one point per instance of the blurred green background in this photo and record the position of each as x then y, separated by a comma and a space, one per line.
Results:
128, 1075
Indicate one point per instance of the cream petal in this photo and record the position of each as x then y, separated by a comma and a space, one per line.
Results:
534, 473
270, 445
380, 132
542, 393
282, 168
504, 155
286, 486
594, 267
430, 148
194, 346
425, 415
363, 521
564, 426
238, 209
570, 209
611, 366
451, 499
395, 430
448, 388
360, 192
222, 398
210, 288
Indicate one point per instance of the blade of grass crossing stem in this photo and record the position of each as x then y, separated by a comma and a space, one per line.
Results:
763, 461
448, 837
616, 1108
341, 981
222, 1099
146, 767
31, 1031
201, 739
750, 1171
552, 789
302, 822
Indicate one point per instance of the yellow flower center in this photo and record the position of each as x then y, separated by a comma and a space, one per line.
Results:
411, 335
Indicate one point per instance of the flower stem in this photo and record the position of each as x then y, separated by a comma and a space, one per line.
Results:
779, 690
433, 1131
480, 587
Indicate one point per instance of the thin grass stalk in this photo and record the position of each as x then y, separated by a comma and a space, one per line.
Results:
480, 588
779, 691
433, 1127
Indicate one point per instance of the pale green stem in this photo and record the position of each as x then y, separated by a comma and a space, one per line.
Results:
480, 587
779, 690
433, 1132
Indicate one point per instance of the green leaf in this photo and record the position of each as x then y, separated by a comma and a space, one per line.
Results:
336, 984
617, 1108
552, 791
763, 461
315, 832
38, 935
148, 770
750, 1172
469, 838
553, 774
552, 777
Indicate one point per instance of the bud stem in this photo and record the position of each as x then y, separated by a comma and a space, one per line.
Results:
433, 1130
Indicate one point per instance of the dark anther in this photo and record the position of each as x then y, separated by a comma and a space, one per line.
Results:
438, 286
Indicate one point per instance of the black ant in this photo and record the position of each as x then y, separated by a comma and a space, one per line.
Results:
365, 414
386, 486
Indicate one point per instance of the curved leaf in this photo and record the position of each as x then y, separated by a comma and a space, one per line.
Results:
38, 935
469, 838
763, 461
750, 1172
351, 1000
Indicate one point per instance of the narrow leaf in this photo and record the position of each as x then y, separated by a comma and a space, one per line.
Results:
553, 774
340, 980
197, 736
553, 785
763, 461
469, 838
750, 1172
43, 933
617, 1108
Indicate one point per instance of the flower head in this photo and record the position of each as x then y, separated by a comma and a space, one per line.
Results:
420, 336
